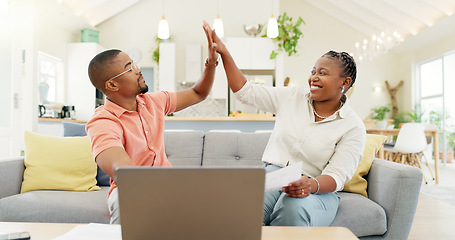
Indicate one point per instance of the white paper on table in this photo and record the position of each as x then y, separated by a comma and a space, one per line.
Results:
93, 231
282, 177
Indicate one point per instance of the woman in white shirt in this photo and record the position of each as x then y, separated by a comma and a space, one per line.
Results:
318, 128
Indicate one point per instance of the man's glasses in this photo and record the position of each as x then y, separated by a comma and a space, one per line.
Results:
134, 67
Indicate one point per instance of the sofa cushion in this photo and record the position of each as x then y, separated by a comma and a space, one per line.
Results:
358, 184
361, 215
234, 149
56, 206
58, 163
71, 129
184, 148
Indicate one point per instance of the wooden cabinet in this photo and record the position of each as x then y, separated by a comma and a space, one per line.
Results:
79, 90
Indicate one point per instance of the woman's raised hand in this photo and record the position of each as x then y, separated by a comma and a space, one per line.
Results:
217, 44
213, 53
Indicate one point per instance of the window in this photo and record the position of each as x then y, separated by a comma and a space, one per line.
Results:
50, 78
436, 81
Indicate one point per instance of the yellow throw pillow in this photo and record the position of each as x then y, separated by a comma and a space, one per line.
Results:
358, 184
58, 163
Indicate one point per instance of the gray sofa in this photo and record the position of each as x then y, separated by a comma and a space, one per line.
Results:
393, 189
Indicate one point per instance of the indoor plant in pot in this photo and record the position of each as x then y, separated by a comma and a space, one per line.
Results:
451, 146
436, 119
380, 114
416, 115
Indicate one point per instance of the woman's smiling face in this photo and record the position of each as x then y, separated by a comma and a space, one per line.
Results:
326, 80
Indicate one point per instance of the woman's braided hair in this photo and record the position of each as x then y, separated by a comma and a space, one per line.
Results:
346, 63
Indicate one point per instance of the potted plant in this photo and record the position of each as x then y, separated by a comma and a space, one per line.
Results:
289, 34
156, 51
399, 120
380, 114
416, 115
451, 146
435, 119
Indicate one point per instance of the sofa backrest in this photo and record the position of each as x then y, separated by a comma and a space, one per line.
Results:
184, 148
234, 148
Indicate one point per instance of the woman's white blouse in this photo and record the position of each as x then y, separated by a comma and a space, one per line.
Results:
333, 146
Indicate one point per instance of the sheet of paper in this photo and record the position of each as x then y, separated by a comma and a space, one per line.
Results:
93, 231
277, 179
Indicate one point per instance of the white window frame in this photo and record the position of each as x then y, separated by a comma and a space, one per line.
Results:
419, 98
59, 76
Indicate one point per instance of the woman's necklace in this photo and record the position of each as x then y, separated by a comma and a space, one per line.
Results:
321, 117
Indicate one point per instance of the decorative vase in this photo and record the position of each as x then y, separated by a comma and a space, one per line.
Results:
381, 124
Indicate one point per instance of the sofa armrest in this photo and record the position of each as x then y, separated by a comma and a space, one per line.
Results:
11, 173
396, 188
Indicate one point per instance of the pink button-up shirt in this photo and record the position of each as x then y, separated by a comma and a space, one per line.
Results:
139, 133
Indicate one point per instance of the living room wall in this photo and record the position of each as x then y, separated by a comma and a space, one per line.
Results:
323, 33
44, 26
136, 27
428, 44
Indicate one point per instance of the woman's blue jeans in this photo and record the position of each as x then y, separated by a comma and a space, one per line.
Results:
314, 210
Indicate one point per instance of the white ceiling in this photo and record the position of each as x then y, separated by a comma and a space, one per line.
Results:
97, 11
369, 17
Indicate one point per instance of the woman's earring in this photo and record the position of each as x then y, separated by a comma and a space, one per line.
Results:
342, 89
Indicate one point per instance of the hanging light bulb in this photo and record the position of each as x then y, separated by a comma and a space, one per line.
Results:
272, 27
163, 26
163, 29
218, 26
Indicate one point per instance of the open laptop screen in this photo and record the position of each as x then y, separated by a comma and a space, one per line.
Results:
191, 203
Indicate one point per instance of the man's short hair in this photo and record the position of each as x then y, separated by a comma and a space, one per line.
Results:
97, 67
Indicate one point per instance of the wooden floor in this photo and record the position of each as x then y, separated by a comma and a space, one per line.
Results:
435, 219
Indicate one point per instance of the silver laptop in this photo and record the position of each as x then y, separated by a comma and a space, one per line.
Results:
191, 203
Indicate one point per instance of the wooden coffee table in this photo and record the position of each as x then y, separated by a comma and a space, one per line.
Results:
48, 231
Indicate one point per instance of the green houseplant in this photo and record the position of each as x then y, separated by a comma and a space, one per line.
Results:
416, 115
156, 51
399, 119
289, 34
436, 119
380, 114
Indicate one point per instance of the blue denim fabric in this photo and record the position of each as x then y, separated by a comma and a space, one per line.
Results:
314, 210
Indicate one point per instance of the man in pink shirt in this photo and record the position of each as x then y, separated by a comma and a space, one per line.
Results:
128, 129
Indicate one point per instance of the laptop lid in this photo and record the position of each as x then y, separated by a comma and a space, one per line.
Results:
191, 203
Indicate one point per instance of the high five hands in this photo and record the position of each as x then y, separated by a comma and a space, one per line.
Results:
215, 43
212, 45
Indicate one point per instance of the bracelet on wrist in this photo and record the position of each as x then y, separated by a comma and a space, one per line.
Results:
207, 64
317, 190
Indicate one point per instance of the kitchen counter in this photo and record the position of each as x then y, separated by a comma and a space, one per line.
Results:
249, 123
59, 120
240, 118
246, 123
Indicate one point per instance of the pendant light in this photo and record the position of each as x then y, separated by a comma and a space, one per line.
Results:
218, 23
272, 26
163, 27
